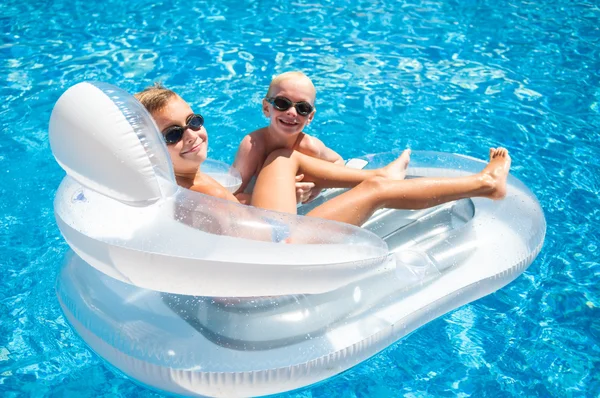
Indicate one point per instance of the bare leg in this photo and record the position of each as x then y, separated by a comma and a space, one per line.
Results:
275, 189
358, 204
275, 185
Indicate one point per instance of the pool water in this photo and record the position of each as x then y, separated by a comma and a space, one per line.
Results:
455, 76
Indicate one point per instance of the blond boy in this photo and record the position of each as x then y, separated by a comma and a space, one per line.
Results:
289, 105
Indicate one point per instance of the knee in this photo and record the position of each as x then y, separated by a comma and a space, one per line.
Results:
373, 192
374, 184
281, 154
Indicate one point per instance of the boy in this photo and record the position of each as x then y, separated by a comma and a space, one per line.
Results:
289, 105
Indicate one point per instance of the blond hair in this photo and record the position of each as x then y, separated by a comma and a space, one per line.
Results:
155, 98
277, 79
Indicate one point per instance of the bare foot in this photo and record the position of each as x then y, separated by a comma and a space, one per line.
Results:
495, 173
396, 170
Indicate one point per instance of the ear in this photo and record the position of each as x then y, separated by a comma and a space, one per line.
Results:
265, 108
311, 116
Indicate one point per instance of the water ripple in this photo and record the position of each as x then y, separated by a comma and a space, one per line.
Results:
446, 75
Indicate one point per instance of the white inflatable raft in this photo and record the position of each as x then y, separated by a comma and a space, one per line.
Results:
196, 296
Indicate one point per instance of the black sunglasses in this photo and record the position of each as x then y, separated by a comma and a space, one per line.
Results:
174, 134
283, 104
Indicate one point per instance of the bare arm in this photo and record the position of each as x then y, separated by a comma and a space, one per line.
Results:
316, 148
213, 188
323, 152
226, 220
248, 158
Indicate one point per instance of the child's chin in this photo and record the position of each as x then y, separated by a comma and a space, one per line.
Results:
202, 157
194, 163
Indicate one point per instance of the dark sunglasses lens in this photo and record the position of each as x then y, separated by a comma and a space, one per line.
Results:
303, 108
282, 104
173, 135
196, 122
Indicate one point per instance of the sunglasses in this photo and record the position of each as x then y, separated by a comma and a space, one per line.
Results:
174, 134
283, 104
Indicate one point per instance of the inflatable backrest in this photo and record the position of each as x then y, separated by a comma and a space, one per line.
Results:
107, 141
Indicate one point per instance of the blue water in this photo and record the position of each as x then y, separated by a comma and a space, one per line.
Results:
448, 75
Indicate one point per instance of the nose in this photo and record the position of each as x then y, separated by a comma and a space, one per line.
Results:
292, 111
189, 135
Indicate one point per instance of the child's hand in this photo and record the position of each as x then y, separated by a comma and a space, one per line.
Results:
313, 194
303, 189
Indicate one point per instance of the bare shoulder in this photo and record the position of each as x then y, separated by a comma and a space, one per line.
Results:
255, 140
251, 149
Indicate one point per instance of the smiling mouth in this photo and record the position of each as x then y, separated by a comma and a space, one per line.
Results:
194, 148
289, 123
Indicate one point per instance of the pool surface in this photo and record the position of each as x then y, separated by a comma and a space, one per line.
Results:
454, 76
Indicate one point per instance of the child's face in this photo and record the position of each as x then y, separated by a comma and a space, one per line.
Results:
188, 153
289, 122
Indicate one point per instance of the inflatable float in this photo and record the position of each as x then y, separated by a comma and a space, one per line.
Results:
193, 295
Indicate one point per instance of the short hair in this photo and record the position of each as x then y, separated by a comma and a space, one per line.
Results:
155, 97
286, 76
